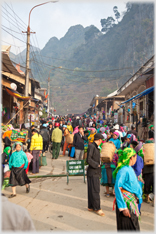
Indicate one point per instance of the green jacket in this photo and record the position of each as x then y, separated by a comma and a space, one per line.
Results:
57, 135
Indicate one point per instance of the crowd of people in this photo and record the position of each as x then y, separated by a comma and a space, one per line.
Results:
126, 173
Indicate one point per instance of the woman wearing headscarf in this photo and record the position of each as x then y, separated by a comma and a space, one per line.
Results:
128, 141
123, 131
5, 158
6, 155
138, 166
102, 131
108, 168
127, 191
70, 128
115, 140
18, 162
151, 131
91, 136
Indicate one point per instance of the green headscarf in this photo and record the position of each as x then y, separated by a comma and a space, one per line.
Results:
6, 150
124, 159
151, 126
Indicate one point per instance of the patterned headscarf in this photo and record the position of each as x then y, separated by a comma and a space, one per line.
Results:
132, 137
139, 149
17, 143
125, 128
124, 159
102, 130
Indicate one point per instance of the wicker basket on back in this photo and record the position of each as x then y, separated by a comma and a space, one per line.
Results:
149, 153
107, 152
69, 138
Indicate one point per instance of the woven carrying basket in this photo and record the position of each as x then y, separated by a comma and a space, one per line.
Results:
149, 153
107, 152
69, 138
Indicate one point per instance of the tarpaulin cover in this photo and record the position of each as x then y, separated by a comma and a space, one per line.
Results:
145, 92
16, 94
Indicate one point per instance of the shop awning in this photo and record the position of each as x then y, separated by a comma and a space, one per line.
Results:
145, 92
16, 94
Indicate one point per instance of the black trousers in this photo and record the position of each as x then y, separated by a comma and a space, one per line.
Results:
125, 223
149, 183
93, 192
45, 146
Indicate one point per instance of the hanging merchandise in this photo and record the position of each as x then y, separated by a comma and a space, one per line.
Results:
129, 110
133, 104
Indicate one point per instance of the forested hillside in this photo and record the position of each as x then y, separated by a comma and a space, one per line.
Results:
93, 61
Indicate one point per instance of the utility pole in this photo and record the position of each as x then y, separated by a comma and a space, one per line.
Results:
27, 59
27, 73
48, 94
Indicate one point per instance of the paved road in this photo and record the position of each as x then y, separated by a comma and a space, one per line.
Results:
54, 205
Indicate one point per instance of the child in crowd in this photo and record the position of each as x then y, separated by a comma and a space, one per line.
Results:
29, 156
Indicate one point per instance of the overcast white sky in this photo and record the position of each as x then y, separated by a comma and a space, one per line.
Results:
52, 19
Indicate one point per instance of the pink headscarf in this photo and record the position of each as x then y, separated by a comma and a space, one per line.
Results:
76, 130
117, 134
122, 129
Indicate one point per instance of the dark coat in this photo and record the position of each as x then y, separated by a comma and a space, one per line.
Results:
74, 123
45, 134
50, 132
151, 134
61, 128
93, 159
78, 141
4, 157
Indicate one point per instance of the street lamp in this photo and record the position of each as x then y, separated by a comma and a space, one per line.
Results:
49, 88
27, 56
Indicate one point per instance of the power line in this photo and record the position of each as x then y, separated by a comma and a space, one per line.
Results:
85, 76
14, 36
11, 29
12, 21
12, 44
16, 14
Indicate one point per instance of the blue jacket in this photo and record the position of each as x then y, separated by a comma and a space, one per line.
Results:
126, 179
17, 159
116, 142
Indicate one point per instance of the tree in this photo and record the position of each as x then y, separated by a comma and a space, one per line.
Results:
116, 12
44, 113
107, 24
128, 6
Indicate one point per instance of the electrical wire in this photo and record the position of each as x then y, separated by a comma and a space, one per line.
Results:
13, 36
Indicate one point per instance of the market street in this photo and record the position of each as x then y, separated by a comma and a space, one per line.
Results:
54, 205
